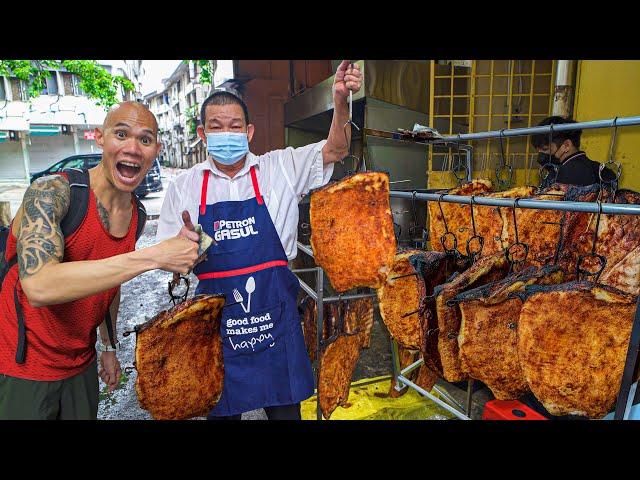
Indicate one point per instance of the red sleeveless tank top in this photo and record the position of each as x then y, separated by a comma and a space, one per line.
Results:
60, 338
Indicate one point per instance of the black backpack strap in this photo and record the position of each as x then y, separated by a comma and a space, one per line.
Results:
79, 201
107, 319
4, 264
142, 217
78, 205
22, 336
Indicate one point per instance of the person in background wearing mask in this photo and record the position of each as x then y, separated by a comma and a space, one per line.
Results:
562, 154
249, 205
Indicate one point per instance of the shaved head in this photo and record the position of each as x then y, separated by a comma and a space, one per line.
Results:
129, 142
130, 110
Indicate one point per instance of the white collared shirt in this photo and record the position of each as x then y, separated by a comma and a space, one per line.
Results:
284, 176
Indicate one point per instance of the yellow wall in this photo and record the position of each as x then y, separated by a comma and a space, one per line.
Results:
606, 89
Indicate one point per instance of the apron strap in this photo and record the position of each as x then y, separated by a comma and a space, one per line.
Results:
256, 188
203, 198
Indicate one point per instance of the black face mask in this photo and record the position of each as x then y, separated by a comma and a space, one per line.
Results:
544, 158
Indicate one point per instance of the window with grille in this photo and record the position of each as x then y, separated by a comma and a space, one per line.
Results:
485, 95
3, 92
67, 82
18, 90
51, 87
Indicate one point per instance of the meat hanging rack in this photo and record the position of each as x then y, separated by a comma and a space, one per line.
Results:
318, 295
627, 395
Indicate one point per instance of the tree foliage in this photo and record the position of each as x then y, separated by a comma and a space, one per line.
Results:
94, 80
207, 70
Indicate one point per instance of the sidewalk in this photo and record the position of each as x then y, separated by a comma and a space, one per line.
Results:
13, 193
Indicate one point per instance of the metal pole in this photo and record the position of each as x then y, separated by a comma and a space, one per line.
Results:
349, 297
320, 310
310, 291
306, 249
395, 362
515, 132
469, 396
468, 149
412, 367
423, 392
589, 207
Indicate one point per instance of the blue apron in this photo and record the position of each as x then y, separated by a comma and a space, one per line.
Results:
265, 359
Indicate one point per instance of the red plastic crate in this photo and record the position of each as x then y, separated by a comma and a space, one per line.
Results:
509, 410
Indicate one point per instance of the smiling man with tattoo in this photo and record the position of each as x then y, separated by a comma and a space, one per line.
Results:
64, 286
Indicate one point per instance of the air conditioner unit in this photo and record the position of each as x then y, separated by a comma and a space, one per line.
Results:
14, 136
66, 129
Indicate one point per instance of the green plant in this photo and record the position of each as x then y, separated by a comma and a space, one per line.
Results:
192, 119
94, 80
207, 70
107, 396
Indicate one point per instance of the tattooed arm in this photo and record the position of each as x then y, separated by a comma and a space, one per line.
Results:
46, 280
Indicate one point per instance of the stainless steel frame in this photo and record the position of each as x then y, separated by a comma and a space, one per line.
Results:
627, 395
401, 380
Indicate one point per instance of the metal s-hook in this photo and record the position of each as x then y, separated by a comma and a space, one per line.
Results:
358, 161
413, 229
611, 163
613, 139
601, 259
503, 182
456, 165
474, 254
548, 167
173, 284
511, 251
443, 239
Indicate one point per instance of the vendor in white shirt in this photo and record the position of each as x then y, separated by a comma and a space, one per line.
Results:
249, 205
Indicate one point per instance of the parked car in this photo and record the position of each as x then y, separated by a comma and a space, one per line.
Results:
150, 184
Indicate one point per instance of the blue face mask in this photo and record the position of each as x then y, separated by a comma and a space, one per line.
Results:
227, 147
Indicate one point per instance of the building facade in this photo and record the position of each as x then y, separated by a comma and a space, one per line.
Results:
177, 108
60, 122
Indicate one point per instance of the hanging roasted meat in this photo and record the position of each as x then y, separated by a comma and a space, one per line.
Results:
405, 291
489, 220
309, 319
347, 329
352, 230
457, 216
337, 364
539, 229
330, 318
485, 270
572, 344
179, 359
488, 340
358, 318
618, 239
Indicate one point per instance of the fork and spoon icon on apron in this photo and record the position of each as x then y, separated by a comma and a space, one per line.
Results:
250, 288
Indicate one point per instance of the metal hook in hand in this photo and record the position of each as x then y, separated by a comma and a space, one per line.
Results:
173, 283
358, 163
